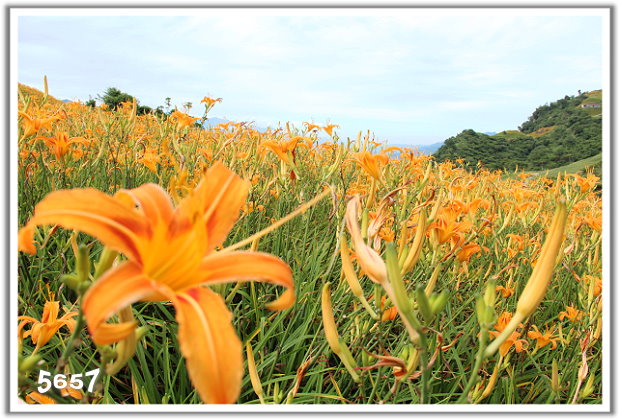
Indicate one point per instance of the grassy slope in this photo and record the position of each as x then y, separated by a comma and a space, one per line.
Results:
575, 167
594, 97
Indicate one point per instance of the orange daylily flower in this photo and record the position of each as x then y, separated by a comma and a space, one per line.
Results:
42, 331
587, 183
572, 314
467, 251
170, 257
469, 208
598, 283
447, 228
386, 234
330, 128
372, 164
506, 291
33, 125
150, 160
59, 144
513, 340
516, 244
543, 339
181, 119
285, 149
388, 314
311, 127
595, 222
209, 102
38, 398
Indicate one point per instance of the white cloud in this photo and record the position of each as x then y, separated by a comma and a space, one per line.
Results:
384, 73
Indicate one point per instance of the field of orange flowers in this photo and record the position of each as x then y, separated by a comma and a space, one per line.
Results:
171, 264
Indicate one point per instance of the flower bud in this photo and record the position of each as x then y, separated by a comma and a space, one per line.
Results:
105, 261
370, 261
536, 287
347, 268
555, 377
82, 265
331, 333
28, 363
257, 386
126, 348
423, 304
439, 302
72, 281
414, 253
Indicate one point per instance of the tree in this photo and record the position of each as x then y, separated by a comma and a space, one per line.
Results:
144, 109
113, 97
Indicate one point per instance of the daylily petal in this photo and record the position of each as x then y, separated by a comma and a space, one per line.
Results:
246, 266
119, 287
92, 212
112, 333
36, 398
153, 201
220, 196
50, 311
210, 345
25, 239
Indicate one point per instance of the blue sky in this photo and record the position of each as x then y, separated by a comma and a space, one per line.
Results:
413, 78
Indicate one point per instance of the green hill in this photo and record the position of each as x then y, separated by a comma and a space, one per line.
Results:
556, 134
580, 166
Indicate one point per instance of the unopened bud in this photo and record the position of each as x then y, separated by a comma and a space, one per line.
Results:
555, 377
105, 261
257, 386
72, 281
423, 304
82, 265
28, 363
588, 389
438, 303
489, 293
331, 333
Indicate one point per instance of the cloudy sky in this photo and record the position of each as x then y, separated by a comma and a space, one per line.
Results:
410, 76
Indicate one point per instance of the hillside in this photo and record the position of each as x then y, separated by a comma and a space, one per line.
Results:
556, 134
595, 162
31, 92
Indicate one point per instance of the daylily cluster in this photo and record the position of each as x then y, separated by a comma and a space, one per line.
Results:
424, 233
170, 257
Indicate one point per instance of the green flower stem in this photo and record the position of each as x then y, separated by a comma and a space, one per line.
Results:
478, 363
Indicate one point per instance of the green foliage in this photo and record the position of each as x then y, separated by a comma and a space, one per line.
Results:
577, 135
113, 97
143, 109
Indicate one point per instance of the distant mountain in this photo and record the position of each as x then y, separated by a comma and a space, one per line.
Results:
429, 148
556, 134
213, 121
